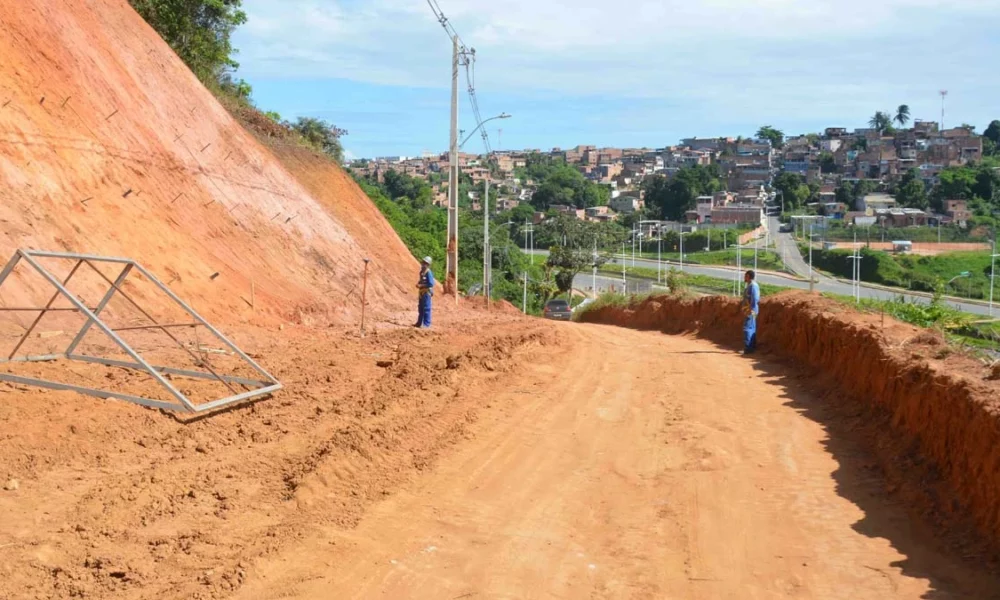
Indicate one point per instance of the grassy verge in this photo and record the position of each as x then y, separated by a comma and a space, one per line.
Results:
766, 259
698, 282
959, 327
967, 272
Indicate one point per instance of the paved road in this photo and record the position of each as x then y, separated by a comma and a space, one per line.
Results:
824, 284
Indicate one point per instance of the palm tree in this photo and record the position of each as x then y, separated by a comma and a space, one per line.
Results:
903, 115
880, 122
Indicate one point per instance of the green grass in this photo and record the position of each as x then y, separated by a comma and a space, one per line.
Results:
914, 234
913, 272
959, 327
766, 259
699, 282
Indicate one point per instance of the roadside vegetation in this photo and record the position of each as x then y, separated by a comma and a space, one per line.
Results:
200, 32
944, 273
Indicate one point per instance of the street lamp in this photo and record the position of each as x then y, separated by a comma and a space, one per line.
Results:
962, 275
480, 126
681, 236
811, 237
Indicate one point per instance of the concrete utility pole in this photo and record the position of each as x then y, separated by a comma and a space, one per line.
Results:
451, 279
993, 271
595, 267
659, 257
944, 94
810, 257
524, 301
486, 242
624, 284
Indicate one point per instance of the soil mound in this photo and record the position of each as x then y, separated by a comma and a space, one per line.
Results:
931, 413
109, 145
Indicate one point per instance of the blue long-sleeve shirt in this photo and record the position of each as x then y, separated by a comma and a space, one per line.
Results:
427, 281
751, 296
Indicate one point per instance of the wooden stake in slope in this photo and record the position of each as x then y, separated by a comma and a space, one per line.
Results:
364, 296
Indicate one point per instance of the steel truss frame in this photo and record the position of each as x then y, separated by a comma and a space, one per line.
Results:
255, 388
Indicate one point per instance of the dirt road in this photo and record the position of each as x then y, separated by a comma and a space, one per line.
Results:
635, 465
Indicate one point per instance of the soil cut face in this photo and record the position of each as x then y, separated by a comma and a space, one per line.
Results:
109, 145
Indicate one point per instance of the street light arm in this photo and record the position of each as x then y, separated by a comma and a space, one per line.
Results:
480, 126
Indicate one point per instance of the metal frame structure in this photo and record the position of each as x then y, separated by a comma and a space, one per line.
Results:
253, 388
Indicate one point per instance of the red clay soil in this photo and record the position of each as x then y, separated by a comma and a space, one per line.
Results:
931, 413
109, 145
112, 500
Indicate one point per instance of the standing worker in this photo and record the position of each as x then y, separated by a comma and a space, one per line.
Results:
751, 307
426, 290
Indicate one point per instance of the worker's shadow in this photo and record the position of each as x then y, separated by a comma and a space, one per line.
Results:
876, 472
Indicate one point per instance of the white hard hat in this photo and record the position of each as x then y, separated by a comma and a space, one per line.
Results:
427, 259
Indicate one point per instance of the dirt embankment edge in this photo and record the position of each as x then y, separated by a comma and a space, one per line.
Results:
940, 408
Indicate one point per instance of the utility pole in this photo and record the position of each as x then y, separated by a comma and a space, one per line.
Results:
524, 302
451, 279
595, 268
756, 242
659, 257
739, 268
810, 257
486, 242
855, 259
944, 94
633, 245
624, 284
993, 270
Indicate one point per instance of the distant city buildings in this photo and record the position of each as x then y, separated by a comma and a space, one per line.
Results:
837, 157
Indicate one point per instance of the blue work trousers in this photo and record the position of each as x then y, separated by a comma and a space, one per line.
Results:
750, 333
424, 311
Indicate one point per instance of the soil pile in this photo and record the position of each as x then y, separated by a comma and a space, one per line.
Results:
932, 413
113, 501
109, 145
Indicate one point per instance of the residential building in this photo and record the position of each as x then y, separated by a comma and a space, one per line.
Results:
625, 204
873, 202
737, 214
959, 211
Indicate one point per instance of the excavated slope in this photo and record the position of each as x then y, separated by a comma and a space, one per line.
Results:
109, 145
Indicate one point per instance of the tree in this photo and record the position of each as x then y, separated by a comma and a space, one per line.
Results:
992, 132
198, 31
776, 136
903, 115
860, 144
844, 195
568, 262
675, 196
793, 190
912, 192
321, 135
880, 122
827, 163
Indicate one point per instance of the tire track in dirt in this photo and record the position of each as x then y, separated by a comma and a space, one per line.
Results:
634, 465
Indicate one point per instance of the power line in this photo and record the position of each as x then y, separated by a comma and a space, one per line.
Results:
467, 58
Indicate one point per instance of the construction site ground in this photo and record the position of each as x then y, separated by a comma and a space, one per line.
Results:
493, 457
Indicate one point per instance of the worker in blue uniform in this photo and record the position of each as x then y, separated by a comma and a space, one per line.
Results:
751, 308
425, 286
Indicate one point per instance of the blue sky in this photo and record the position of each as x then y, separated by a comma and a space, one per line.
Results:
642, 73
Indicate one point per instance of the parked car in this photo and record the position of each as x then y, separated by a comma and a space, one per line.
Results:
558, 310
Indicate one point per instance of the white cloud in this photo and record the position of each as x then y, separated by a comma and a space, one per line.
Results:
762, 55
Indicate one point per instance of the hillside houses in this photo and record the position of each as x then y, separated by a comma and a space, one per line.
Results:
747, 167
